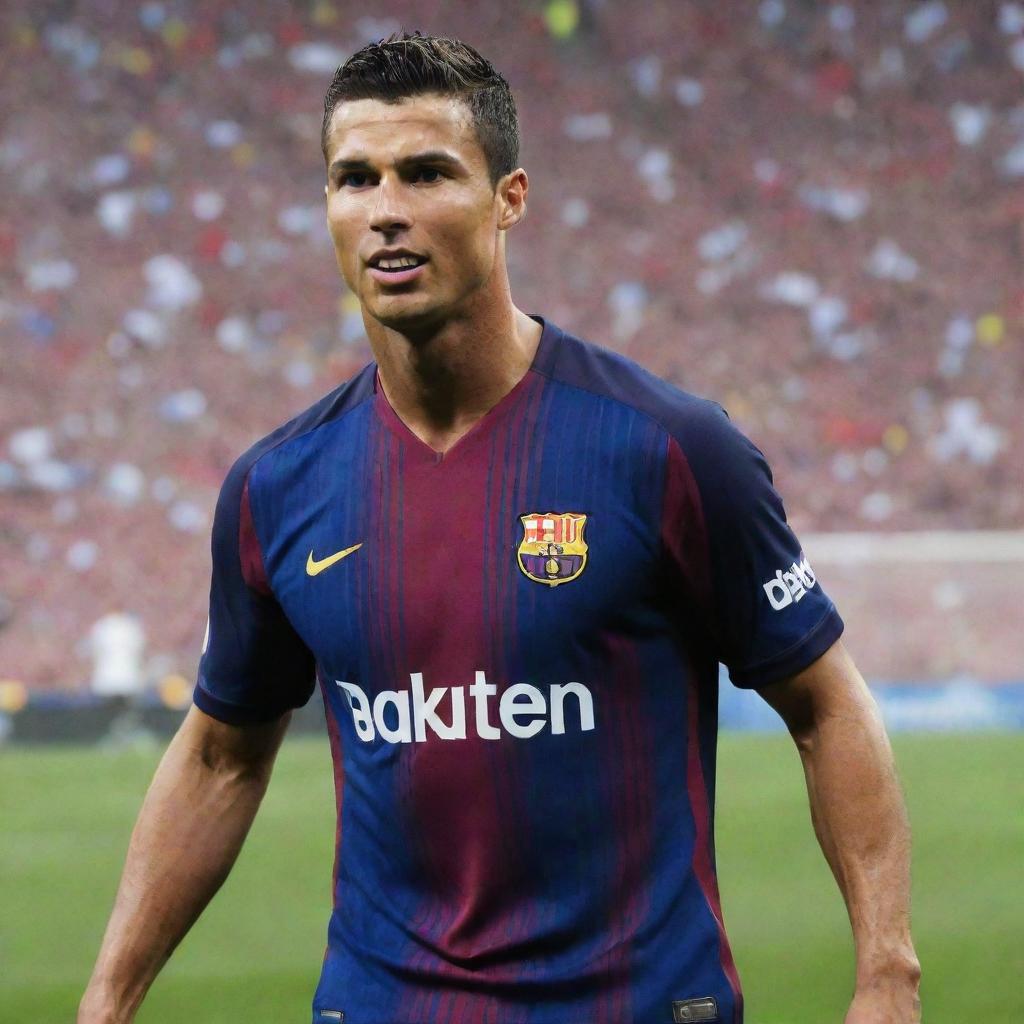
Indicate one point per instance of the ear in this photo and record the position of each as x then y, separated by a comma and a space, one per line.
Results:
512, 190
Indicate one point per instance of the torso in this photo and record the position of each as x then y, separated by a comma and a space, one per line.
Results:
545, 835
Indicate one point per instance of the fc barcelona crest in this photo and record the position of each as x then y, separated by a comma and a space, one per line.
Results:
552, 550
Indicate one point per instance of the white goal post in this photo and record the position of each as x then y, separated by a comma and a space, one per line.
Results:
928, 606
942, 546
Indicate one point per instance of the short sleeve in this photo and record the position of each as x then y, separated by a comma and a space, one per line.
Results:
746, 577
254, 666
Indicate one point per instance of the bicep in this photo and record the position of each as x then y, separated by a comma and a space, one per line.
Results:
223, 745
831, 686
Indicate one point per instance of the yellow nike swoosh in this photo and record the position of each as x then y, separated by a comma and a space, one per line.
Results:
314, 568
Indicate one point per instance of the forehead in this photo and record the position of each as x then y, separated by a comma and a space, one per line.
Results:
387, 131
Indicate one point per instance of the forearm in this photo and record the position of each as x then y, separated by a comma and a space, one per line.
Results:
861, 823
192, 824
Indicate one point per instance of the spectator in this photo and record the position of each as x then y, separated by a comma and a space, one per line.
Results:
810, 213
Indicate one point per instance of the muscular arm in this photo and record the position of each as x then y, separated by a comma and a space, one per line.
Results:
861, 823
193, 821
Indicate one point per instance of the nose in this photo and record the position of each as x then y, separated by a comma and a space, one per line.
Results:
390, 212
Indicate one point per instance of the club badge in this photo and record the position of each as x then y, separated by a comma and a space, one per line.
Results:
552, 550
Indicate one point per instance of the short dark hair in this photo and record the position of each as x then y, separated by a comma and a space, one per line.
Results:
406, 65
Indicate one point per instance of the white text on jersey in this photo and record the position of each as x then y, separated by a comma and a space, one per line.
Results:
791, 585
523, 710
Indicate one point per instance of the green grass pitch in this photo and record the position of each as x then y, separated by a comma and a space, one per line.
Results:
65, 817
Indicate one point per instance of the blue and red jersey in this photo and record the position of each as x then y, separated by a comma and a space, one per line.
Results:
517, 644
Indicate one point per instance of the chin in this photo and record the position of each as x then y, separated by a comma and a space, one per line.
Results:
407, 316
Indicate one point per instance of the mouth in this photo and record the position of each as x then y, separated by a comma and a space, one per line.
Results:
397, 269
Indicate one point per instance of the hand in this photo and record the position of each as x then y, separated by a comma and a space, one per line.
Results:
889, 1004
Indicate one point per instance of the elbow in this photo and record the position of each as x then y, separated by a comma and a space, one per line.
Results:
802, 717
231, 768
804, 731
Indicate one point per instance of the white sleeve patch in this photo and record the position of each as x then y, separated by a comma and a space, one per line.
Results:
790, 585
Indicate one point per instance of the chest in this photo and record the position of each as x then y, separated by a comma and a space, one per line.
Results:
505, 552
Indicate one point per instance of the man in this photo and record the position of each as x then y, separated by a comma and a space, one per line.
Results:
116, 642
513, 561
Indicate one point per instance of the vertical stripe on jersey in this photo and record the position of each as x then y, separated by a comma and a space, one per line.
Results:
249, 551
703, 857
628, 767
685, 538
338, 762
473, 841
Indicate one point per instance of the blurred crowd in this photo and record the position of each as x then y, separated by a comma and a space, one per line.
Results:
811, 212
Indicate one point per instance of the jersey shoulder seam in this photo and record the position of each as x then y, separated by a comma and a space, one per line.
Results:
651, 417
287, 439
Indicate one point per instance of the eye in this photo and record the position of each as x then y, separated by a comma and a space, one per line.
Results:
355, 179
429, 175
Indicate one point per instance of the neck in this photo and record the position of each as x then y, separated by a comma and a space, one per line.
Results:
443, 383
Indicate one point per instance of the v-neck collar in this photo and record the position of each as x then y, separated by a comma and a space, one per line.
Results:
484, 425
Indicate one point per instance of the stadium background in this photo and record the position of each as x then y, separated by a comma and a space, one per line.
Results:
812, 213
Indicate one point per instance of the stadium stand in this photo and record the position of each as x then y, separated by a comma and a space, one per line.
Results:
812, 213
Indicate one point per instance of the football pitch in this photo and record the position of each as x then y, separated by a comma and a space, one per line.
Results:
66, 814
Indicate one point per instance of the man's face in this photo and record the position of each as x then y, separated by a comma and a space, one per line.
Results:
411, 176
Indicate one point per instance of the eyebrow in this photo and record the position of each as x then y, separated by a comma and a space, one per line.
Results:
430, 156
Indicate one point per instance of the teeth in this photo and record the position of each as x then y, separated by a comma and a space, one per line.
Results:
398, 263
